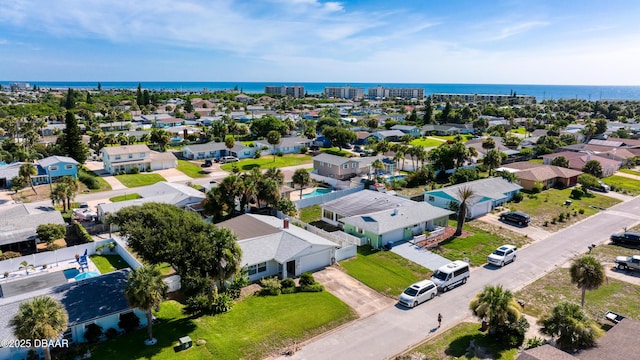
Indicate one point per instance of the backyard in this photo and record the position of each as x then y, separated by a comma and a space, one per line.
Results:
384, 271
255, 328
108, 263
549, 204
268, 161
135, 180
311, 214
426, 142
190, 169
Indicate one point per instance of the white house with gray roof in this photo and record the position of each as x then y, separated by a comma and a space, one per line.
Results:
122, 159
18, 224
487, 194
288, 145
216, 150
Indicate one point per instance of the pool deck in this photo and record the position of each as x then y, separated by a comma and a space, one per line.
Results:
295, 195
37, 273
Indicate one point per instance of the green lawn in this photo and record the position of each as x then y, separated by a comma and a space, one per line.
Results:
135, 180
384, 271
253, 329
426, 142
482, 239
311, 214
454, 342
190, 169
556, 286
108, 263
519, 130
336, 151
125, 197
631, 172
550, 203
536, 161
104, 185
267, 161
620, 183
465, 138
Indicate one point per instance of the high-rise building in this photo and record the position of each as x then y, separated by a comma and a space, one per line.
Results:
344, 92
404, 93
295, 91
495, 98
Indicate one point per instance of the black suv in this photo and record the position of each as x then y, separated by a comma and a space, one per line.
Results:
516, 217
632, 238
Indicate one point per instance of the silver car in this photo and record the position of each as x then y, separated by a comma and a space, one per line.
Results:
503, 255
418, 293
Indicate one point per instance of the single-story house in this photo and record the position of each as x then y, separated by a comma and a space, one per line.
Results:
487, 194
529, 174
118, 159
360, 203
577, 161
288, 145
177, 194
389, 135
273, 247
446, 129
18, 224
98, 300
396, 225
407, 129
216, 150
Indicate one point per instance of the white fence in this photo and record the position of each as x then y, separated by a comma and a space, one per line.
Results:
346, 252
315, 200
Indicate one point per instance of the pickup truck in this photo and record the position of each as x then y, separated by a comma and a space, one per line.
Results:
628, 262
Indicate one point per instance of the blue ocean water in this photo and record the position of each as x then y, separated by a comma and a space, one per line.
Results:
541, 92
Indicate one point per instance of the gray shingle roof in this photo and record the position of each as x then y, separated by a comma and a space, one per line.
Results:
127, 149
365, 202
162, 192
400, 217
19, 222
52, 160
493, 188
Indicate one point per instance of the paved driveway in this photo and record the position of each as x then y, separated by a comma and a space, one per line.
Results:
420, 256
173, 175
364, 300
531, 231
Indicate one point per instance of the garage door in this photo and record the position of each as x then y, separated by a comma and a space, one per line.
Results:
315, 261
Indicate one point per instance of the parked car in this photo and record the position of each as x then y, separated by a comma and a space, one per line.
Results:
228, 159
358, 148
516, 217
613, 317
602, 187
84, 215
503, 255
418, 293
450, 275
207, 163
628, 262
83, 205
628, 237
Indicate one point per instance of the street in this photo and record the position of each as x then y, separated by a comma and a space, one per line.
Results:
396, 329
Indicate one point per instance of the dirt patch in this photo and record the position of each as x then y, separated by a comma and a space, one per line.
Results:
448, 234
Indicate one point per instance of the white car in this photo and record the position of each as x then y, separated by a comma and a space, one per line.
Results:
418, 293
84, 214
503, 255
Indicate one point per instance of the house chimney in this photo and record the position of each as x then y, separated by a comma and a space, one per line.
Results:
285, 223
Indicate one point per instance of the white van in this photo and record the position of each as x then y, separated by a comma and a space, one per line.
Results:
450, 275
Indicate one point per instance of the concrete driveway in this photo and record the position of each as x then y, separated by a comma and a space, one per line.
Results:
364, 300
172, 175
531, 231
420, 255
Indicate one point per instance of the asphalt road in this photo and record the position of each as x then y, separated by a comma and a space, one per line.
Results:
396, 329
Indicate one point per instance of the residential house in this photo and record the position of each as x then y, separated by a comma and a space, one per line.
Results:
388, 135
168, 122
395, 225
273, 247
18, 224
119, 159
577, 161
180, 195
56, 167
342, 168
243, 98
407, 129
98, 300
512, 154
487, 194
529, 174
446, 129
288, 145
116, 126
8, 172
360, 203
216, 150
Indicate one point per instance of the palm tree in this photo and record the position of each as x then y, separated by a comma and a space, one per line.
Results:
26, 267
301, 177
40, 318
496, 306
571, 326
493, 159
59, 194
145, 290
161, 138
70, 189
273, 137
377, 166
27, 170
275, 174
464, 193
587, 273
229, 255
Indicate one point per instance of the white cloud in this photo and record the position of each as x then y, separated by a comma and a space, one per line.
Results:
516, 29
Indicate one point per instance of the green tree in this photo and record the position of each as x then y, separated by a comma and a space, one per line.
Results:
588, 181
273, 137
188, 106
488, 143
464, 175
72, 139
161, 138
464, 194
497, 307
427, 118
372, 124
601, 126
145, 290
229, 142
70, 101
139, 97
27, 170
571, 327
40, 318
445, 115
593, 167
587, 273
302, 178
339, 136
287, 207
560, 161
50, 232
58, 196
261, 127
493, 159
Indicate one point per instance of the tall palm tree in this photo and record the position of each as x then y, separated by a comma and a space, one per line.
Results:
275, 174
40, 318
59, 194
70, 189
493, 159
571, 325
587, 273
27, 170
229, 255
145, 290
464, 193
496, 306
301, 177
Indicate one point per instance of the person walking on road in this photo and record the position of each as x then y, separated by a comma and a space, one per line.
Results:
439, 319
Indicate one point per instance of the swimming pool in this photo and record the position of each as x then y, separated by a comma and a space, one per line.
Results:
70, 273
396, 178
316, 192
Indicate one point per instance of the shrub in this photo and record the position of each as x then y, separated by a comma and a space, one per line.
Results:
111, 333
50, 232
134, 170
288, 283
222, 303
537, 188
280, 154
198, 304
9, 255
513, 334
270, 286
554, 220
53, 247
518, 197
289, 290
89, 180
129, 321
311, 288
92, 333
576, 193
241, 280
82, 233
534, 342
580, 211
546, 223
304, 150
257, 154
561, 217
307, 279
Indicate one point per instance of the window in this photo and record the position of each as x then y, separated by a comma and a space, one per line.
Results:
141, 154
257, 268
431, 198
130, 156
68, 166
360, 231
327, 214
354, 165
53, 168
117, 157
345, 166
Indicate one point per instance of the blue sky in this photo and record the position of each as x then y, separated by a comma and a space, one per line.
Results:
422, 41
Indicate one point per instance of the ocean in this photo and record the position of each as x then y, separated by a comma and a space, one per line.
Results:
541, 92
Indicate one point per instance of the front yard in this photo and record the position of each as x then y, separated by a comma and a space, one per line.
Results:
135, 180
125, 197
549, 204
190, 169
426, 142
267, 161
255, 328
384, 271
623, 184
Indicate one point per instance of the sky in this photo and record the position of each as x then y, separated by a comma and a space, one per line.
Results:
563, 42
